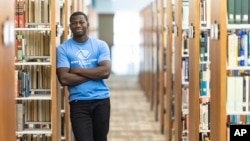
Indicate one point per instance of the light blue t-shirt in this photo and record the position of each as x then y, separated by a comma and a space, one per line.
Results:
72, 54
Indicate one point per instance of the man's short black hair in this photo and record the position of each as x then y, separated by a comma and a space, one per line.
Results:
78, 13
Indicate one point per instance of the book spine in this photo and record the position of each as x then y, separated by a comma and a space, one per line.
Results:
231, 11
20, 116
21, 14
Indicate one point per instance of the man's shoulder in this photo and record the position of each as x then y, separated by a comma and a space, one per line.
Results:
64, 44
95, 39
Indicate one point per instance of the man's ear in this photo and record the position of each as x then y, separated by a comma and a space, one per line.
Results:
88, 25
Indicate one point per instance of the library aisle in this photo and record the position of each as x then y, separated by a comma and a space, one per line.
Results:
131, 117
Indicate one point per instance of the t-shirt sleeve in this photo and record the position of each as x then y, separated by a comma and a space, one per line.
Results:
61, 58
104, 52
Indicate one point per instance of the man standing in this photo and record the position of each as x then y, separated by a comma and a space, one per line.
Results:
83, 62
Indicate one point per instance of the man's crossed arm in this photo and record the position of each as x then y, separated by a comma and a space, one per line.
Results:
74, 76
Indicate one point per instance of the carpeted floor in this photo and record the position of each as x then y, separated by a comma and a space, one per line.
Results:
131, 117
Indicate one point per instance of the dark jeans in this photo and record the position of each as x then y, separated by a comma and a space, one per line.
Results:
90, 119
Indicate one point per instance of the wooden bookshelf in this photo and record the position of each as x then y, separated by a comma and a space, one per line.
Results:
56, 96
146, 33
160, 62
149, 49
66, 35
151, 74
163, 64
7, 54
142, 75
32, 35
80, 5
155, 60
194, 57
74, 6
70, 6
177, 70
218, 53
169, 75
7, 90
93, 20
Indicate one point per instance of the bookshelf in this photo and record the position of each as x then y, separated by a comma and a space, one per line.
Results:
148, 78
177, 88
160, 62
207, 21
185, 71
169, 75
93, 20
69, 7
7, 99
194, 78
36, 61
35, 22
218, 49
231, 74
64, 12
154, 65
163, 64
65, 115
146, 33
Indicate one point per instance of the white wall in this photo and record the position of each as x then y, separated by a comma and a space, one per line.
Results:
126, 49
125, 52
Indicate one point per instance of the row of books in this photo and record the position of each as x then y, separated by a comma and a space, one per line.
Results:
32, 46
204, 77
31, 11
185, 113
185, 78
185, 59
204, 114
204, 123
185, 70
204, 53
32, 80
23, 83
33, 114
204, 80
205, 16
238, 94
35, 137
238, 119
185, 102
238, 48
205, 13
204, 47
238, 11
20, 13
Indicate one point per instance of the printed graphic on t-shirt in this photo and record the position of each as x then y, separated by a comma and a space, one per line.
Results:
83, 59
83, 54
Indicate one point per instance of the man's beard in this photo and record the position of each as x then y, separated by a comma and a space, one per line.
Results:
80, 34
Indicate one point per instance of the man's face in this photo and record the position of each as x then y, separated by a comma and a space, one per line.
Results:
79, 25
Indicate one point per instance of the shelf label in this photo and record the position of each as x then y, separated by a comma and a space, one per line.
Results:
191, 31
175, 30
214, 31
